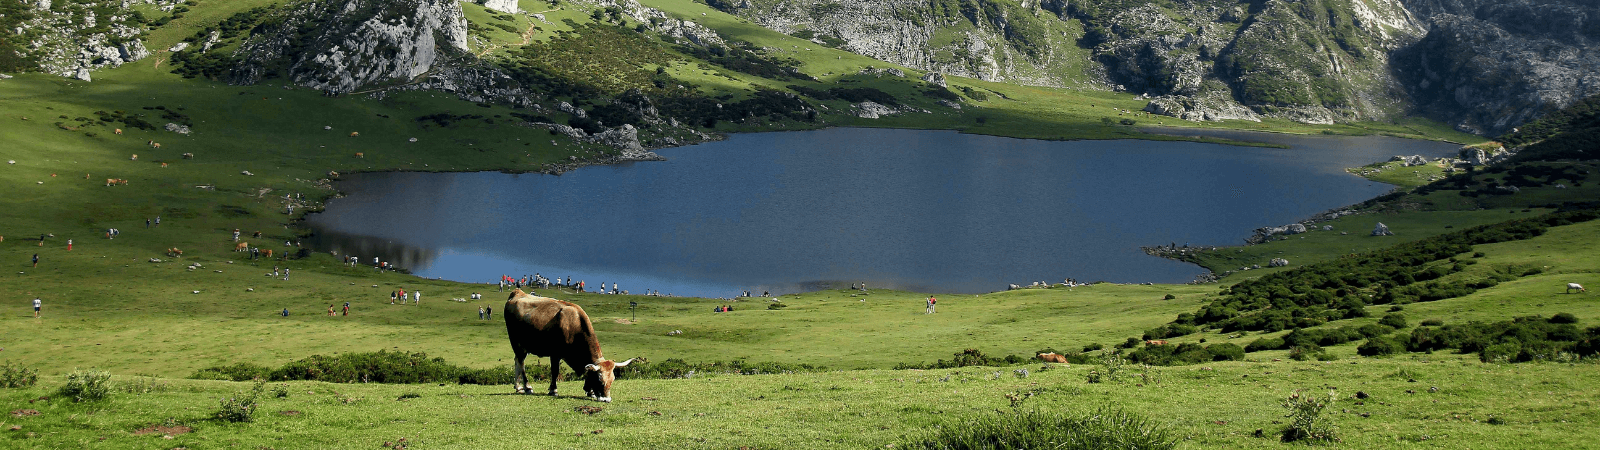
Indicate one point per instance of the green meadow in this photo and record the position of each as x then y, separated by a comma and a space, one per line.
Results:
151, 319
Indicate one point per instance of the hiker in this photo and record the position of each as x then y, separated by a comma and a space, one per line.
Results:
69, 245
330, 309
36, 304
36, 260
480, 313
417, 297
931, 302
488, 312
346, 308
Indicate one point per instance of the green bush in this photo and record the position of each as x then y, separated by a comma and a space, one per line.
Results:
1305, 418
1103, 428
1379, 346
86, 385
237, 372
1563, 318
1225, 352
1264, 344
1396, 321
241, 407
1432, 322
17, 376
776, 306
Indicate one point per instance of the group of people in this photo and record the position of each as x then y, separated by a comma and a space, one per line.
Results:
723, 309
402, 296
330, 309
485, 312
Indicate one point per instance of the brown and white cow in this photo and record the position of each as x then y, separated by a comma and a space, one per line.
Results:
1053, 357
561, 331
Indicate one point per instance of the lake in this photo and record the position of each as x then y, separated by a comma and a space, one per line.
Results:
929, 211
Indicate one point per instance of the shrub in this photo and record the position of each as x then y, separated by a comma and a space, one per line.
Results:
1396, 321
1264, 344
1105, 427
1225, 352
1093, 347
146, 385
1563, 318
1169, 297
241, 407
1432, 322
1130, 343
1379, 346
776, 306
491, 376
1305, 418
86, 385
238, 372
379, 367
1307, 352
17, 376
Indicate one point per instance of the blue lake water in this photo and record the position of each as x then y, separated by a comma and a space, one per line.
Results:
931, 211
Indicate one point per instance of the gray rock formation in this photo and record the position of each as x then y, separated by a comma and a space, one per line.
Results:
175, 128
505, 6
1211, 106
1278, 262
1381, 230
871, 110
936, 79
351, 45
1409, 161
72, 39
1489, 65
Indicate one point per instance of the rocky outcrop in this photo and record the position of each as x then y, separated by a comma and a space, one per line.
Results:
74, 38
1211, 106
348, 44
505, 6
1381, 230
1278, 262
1487, 66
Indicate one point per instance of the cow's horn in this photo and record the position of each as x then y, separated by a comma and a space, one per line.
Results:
591, 368
625, 363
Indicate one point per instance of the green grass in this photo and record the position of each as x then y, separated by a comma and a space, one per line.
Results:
108, 307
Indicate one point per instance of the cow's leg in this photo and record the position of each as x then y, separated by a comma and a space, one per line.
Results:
555, 372
519, 380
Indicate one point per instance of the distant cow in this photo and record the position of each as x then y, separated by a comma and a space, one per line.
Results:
241, 247
163, 164
269, 253
1575, 286
1053, 357
155, 144
174, 252
355, 133
1155, 342
135, 157
361, 155
188, 156
562, 331
117, 131
115, 181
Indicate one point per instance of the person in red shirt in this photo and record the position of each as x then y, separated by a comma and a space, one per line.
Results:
931, 301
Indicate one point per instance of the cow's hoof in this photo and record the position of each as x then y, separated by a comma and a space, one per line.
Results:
552, 393
604, 399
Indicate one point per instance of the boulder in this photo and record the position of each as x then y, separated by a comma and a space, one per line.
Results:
1382, 230
872, 110
175, 128
936, 79
505, 6
1278, 262
1408, 161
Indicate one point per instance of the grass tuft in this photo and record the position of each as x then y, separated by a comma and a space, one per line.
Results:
1104, 428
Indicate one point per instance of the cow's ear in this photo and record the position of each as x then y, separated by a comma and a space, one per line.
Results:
591, 368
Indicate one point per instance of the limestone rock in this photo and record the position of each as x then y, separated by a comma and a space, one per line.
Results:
1382, 230
356, 43
505, 6
175, 128
936, 79
1409, 161
871, 110
1209, 107
1278, 262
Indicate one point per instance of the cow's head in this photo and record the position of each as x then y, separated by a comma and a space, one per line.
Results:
597, 378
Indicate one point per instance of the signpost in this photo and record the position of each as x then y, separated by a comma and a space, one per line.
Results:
634, 308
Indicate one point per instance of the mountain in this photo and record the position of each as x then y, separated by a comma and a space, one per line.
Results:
1483, 66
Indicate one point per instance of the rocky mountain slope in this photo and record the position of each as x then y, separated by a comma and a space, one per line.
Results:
1482, 65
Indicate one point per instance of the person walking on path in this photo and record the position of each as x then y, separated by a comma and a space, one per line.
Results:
931, 302
36, 304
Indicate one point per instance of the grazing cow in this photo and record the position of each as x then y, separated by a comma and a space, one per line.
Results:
115, 181
361, 155
562, 331
163, 164
174, 252
155, 144
333, 174
355, 133
117, 131
188, 156
269, 253
1155, 342
1053, 357
242, 247
135, 157
1575, 286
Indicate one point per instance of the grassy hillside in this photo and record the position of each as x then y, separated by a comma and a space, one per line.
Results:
125, 306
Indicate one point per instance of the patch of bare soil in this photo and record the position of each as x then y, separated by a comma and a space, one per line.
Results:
163, 429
